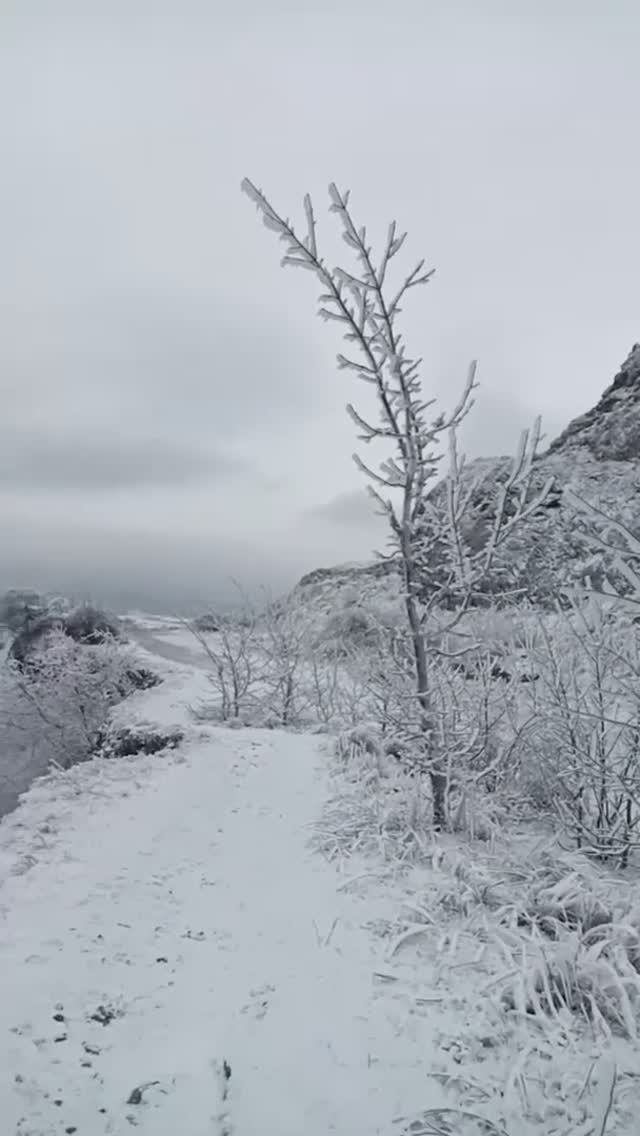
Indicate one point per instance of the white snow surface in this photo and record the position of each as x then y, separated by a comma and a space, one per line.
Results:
177, 898
180, 894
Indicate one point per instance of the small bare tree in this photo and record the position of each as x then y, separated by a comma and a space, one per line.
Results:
323, 684
232, 653
284, 646
367, 307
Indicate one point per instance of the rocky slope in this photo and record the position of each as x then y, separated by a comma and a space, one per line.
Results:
611, 430
597, 457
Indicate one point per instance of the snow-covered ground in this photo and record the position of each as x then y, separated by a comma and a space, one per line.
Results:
165, 921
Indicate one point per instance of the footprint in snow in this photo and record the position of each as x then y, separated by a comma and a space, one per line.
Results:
259, 1004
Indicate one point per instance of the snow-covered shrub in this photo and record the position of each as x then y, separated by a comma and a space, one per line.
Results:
322, 679
138, 678
474, 716
284, 647
258, 665
84, 624
348, 627
19, 607
89, 624
368, 694
352, 702
476, 814
32, 637
60, 705
207, 622
232, 653
352, 744
583, 738
129, 740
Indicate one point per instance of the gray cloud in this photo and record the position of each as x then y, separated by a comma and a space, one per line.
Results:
158, 571
84, 462
496, 421
190, 368
354, 507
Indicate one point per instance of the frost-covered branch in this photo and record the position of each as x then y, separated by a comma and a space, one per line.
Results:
623, 553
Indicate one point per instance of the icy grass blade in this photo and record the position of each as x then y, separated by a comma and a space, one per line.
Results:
603, 1099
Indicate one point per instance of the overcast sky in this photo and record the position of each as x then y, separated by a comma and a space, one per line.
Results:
171, 412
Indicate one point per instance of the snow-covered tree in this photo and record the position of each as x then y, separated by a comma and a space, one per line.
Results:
366, 305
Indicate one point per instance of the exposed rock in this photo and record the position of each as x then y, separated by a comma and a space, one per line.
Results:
377, 569
611, 430
597, 458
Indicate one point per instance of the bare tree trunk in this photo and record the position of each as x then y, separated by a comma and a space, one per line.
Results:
430, 762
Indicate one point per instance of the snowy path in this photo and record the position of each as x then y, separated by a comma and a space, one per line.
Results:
192, 909
189, 654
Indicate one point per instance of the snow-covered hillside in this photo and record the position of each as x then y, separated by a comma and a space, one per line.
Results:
595, 457
188, 946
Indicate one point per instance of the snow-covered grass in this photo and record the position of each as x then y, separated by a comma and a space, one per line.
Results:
540, 947
569, 929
